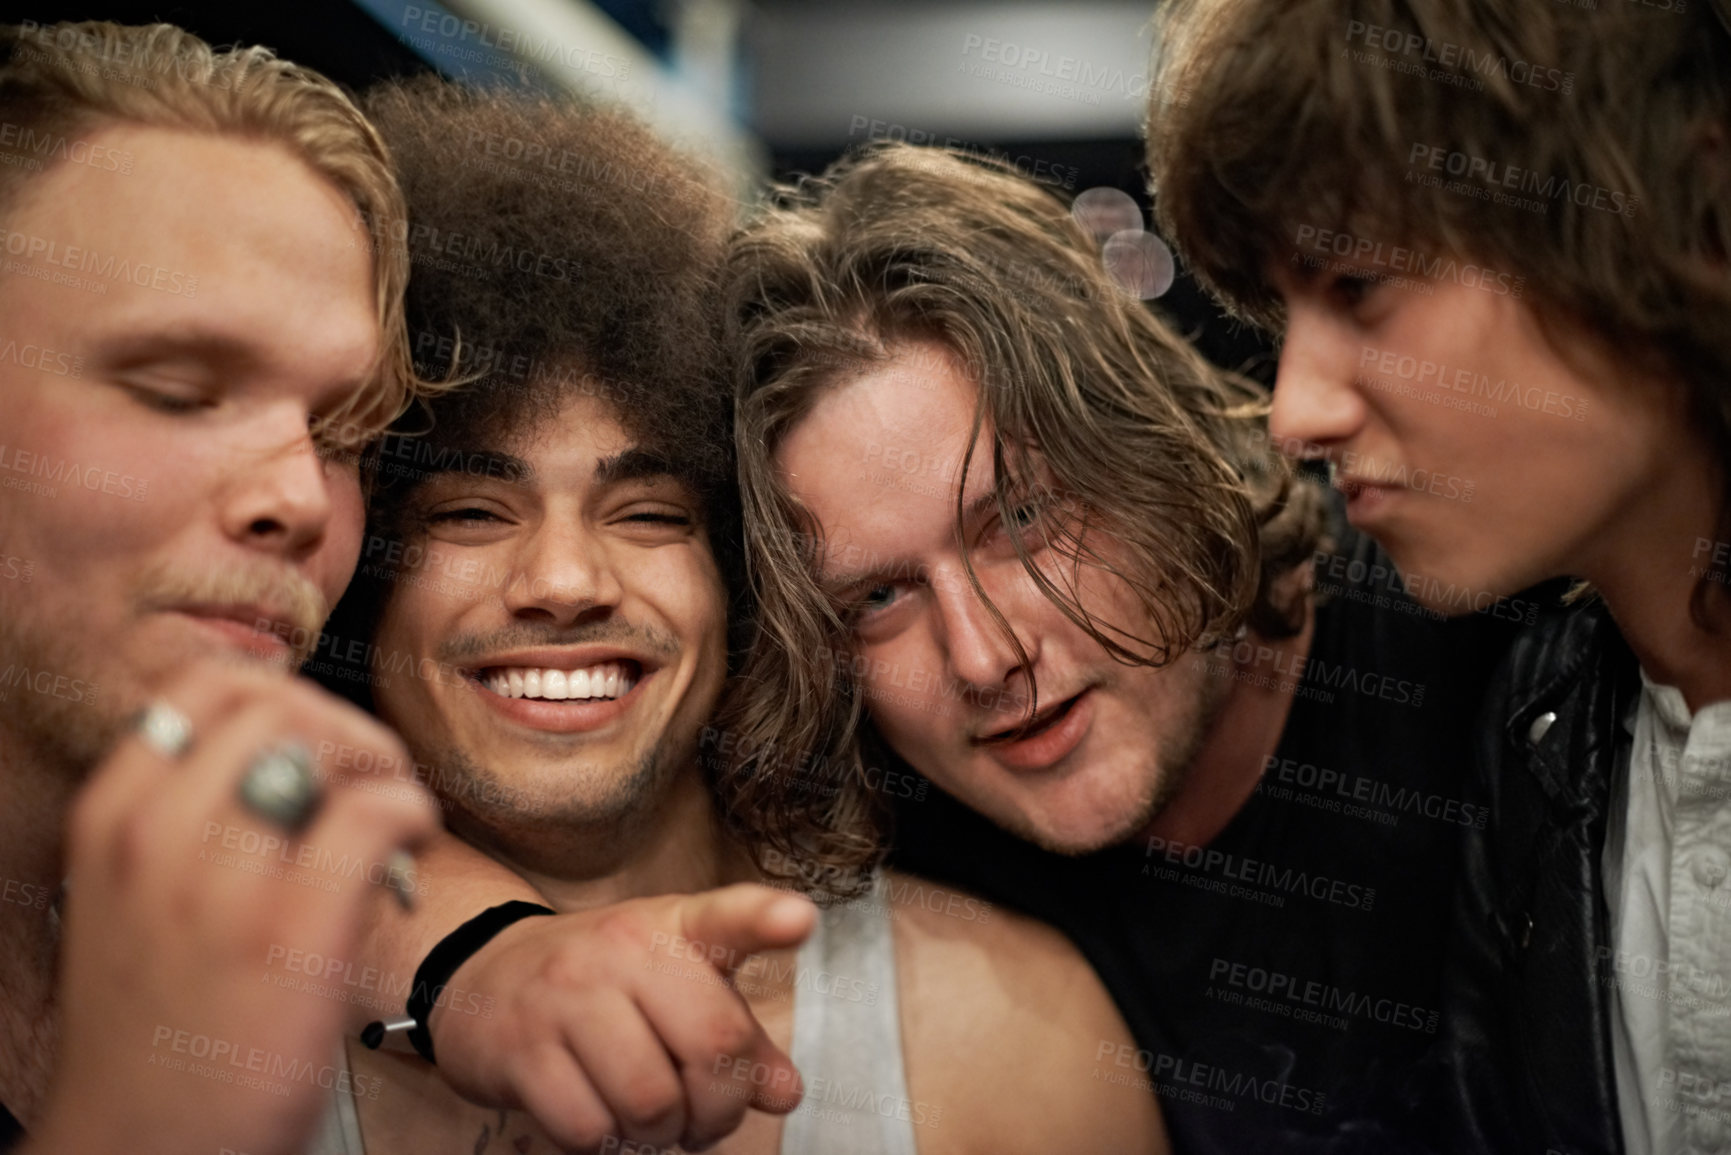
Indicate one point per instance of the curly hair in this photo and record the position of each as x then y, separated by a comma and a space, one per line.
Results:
559, 249
559, 246
1166, 456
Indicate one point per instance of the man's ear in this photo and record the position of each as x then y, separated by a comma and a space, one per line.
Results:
1288, 596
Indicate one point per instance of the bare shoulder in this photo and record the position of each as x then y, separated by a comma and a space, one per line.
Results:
1003, 1022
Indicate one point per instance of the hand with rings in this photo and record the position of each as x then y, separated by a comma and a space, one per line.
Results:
209, 836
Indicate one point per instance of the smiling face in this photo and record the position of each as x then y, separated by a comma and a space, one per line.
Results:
166, 336
876, 462
1468, 447
569, 622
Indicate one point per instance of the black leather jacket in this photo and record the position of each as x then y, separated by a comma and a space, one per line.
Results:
1527, 1011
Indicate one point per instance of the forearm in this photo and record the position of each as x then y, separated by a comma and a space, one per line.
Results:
454, 882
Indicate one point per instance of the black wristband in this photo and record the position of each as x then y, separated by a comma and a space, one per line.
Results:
451, 952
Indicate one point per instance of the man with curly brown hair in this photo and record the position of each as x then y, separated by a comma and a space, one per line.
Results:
547, 625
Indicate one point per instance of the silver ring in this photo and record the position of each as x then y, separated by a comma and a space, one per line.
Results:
282, 785
164, 729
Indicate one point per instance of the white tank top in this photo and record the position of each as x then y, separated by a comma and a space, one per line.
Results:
847, 1039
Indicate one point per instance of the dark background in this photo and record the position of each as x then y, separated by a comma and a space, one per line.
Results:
352, 46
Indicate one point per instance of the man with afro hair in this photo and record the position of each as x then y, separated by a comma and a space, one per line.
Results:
546, 617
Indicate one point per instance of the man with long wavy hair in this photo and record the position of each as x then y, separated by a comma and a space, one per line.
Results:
1006, 527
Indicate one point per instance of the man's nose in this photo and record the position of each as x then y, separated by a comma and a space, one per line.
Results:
562, 575
980, 645
280, 498
1317, 399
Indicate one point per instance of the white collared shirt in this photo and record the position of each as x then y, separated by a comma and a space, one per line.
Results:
1667, 871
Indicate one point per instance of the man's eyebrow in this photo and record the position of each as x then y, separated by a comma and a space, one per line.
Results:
634, 464
834, 584
427, 463
900, 567
145, 345
983, 505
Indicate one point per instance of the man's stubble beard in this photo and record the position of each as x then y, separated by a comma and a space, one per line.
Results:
574, 828
1178, 752
1175, 757
68, 735
62, 736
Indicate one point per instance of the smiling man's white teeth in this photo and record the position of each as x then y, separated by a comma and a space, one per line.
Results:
609, 680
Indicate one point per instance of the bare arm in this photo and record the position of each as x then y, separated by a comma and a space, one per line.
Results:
1009, 1034
454, 883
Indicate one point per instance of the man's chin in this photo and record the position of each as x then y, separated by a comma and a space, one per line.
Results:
1074, 835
